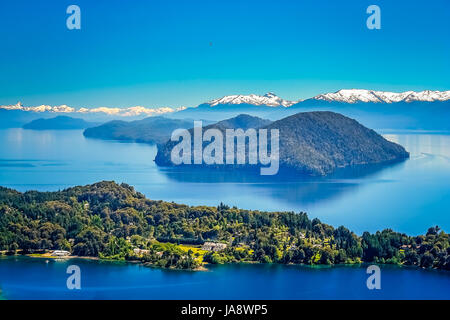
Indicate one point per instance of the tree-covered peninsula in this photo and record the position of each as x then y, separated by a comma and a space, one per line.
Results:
112, 221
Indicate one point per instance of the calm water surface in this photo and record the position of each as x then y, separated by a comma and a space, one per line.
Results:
409, 196
28, 278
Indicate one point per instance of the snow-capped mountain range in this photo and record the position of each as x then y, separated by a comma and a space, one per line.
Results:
344, 95
361, 95
269, 99
125, 112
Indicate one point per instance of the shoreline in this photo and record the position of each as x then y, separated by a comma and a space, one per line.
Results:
279, 237
48, 255
204, 267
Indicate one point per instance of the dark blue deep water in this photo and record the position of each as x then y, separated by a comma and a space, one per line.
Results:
31, 278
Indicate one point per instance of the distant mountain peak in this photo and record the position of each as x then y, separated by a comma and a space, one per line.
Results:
344, 95
243, 121
111, 111
269, 99
363, 95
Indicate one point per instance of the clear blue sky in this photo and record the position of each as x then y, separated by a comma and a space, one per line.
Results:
172, 53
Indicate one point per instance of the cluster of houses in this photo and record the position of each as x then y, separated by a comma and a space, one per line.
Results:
214, 246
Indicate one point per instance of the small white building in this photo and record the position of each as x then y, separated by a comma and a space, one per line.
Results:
214, 246
60, 253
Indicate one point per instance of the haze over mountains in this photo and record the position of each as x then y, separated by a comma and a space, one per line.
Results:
360, 95
344, 95
59, 123
157, 130
153, 130
424, 110
427, 110
17, 115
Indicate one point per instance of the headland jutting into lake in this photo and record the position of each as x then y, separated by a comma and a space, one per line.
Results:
113, 221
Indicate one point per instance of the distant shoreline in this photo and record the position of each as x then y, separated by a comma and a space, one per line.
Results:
48, 255
204, 267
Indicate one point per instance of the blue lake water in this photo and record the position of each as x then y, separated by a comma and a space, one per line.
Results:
31, 278
408, 197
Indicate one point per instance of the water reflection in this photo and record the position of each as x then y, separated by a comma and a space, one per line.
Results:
417, 144
288, 186
408, 196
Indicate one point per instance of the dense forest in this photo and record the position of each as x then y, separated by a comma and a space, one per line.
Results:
313, 143
114, 221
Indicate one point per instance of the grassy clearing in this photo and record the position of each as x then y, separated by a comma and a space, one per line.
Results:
196, 250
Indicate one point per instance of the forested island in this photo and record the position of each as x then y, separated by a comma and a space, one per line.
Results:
152, 130
59, 123
112, 221
312, 143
